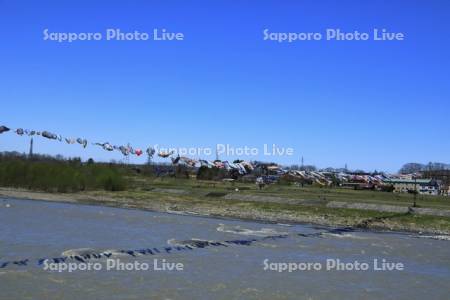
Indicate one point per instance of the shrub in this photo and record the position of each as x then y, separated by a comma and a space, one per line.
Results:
205, 173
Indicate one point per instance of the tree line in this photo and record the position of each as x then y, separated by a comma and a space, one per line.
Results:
56, 174
418, 167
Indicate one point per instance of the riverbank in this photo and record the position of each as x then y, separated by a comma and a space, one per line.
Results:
216, 205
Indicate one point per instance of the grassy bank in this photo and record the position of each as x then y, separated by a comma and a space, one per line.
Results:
315, 194
122, 186
200, 200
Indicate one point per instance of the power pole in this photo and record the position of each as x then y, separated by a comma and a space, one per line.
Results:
126, 158
217, 153
415, 191
30, 154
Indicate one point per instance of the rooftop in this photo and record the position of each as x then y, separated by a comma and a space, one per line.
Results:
401, 180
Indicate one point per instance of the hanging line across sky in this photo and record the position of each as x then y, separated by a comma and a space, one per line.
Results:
243, 167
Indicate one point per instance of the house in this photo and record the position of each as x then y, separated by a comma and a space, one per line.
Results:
422, 186
445, 190
442, 176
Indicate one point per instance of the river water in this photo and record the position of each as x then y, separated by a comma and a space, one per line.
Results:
229, 270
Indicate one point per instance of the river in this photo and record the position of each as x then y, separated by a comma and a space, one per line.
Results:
217, 258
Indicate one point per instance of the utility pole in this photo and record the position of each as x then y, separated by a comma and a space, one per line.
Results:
415, 191
126, 158
217, 153
30, 154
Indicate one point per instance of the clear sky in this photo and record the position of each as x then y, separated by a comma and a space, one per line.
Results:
370, 104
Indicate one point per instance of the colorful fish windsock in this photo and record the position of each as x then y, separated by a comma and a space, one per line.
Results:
19, 131
3, 129
175, 160
150, 152
125, 151
30, 132
108, 147
227, 166
188, 161
138, 152
82, 142
204, 163
218, 164
247, 165
49, 135
165, 154
70, 141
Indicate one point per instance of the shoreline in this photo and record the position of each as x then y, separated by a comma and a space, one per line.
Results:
175, 205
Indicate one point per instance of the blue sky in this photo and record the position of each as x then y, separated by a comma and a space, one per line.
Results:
370, 104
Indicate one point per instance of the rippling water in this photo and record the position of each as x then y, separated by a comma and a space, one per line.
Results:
34, 229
